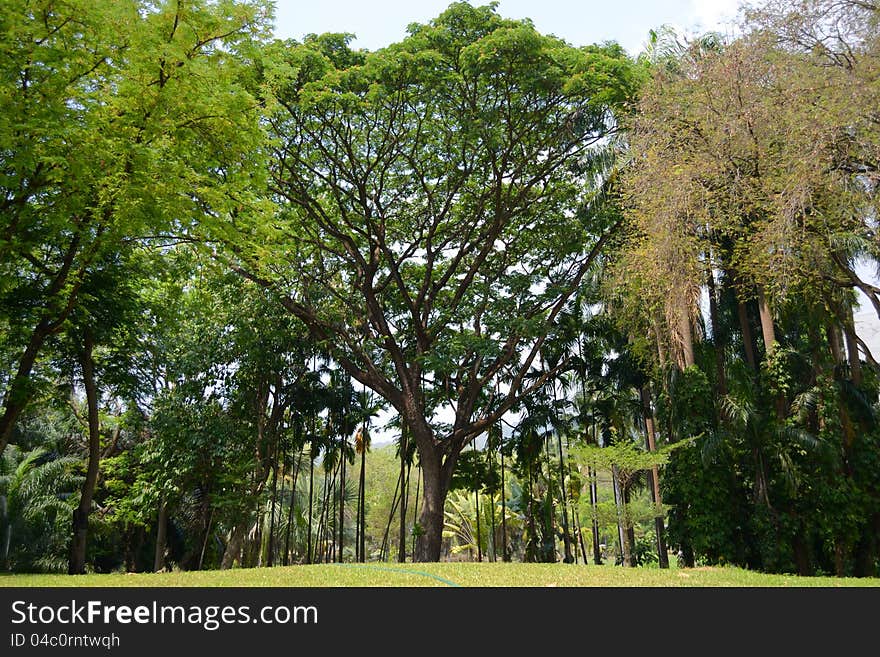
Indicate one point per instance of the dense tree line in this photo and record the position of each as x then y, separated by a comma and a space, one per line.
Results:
752, 186
603, 305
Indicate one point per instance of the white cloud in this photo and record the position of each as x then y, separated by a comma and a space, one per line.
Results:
711, 14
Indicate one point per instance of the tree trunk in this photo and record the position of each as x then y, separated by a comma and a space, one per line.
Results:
839, 560
748, 338
717, 339
311, 501
401, 549
494, 529
341, 506
687, 340
548, 546
77, 563
622, 524
322, 509
505, 556
835, 342
435, 487
531, 546
654, 479
362, 514
594, 522
395, 501
161, 534
232, 553
566, 538
801, 555
477, 508
290, 508
630, 531
769, 334
767, 329
575, 520
416, 535
594, 501
479, 536
852, 347
270, 551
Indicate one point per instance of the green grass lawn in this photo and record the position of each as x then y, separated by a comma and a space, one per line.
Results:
444, 574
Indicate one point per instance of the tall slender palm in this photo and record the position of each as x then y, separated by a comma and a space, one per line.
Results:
368, 407
529, 440
362, 446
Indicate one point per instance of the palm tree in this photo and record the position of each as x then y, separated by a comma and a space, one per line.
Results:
367, 408
362, 446
529, 440
36, 500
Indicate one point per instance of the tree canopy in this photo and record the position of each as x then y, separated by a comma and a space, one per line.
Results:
434, 209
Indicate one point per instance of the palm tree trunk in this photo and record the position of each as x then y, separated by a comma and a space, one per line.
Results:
748, 338
565, 533
362, 551
549, 549
630, 530
619, 502
505, 556
575, 521
311, 501
329, 483
566, 539
491, 504
594, 522
580, 537
531, 546
286, 557
852, 346
717, 339
322, 508
331, 524
594, 503
767, 329
687, 339
479, 535
395, 500
477, 507
341, 505
401, 550
654, 478
416, 510
270, 555
769, 333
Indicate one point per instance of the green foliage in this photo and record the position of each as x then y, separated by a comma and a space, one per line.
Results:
460, 524
36, 504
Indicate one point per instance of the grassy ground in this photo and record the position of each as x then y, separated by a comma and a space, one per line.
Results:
444, 574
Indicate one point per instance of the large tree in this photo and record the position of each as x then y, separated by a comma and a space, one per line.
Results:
432, 213
119, 120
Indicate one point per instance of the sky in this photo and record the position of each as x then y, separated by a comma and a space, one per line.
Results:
378, 23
